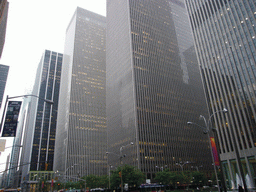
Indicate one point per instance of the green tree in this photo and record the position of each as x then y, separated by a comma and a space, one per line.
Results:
180, 178
92, 181
115, 180
58, 185
163, 177
187, 177
199, 178
174, 178
82, 182
130, 175
213, 177
103, 181
72, 184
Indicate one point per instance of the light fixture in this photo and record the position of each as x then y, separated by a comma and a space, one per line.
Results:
225, 110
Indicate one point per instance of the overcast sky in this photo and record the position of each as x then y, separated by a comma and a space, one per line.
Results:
32, 27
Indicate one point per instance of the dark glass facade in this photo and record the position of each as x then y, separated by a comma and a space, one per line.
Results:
40, 123
224, 33
153, 86
46, 115
3, 78
81, 126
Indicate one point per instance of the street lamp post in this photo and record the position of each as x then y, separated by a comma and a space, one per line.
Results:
13, 146
121, 162
8, 98
65, 173
109, 167
162, 167
181, 164
206, 130
77, 178
5, 106
197, 168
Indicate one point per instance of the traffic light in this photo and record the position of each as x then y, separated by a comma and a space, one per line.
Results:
120, 174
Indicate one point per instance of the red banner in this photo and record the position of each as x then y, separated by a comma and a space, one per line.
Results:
52, 183
215, 152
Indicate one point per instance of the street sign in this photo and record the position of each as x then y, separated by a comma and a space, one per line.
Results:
11, 119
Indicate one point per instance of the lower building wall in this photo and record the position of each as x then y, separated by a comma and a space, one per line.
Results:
232, 175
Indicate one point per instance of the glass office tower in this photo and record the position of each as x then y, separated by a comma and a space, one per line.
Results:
81, 127
40, 126
224, 33
153, 87
3, 78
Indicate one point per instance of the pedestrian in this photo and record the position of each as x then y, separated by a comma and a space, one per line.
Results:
240, 188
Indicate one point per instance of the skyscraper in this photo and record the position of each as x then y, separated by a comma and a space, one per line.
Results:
4, 6
224, 33
81, 126
153, 86
3, 78
39, 139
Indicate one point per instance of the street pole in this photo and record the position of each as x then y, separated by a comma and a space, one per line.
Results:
197, 168
162, 167
121, 162
122, 188
120, 156
8, 98
109, 167
181, 164
66, 174
5, 106
206, 130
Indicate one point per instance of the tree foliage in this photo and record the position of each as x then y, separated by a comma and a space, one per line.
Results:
163, 177
172, 178
187, 177
199, 178
104, 181
213, 178
94, 181
176, 177
72, 184
130, 175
